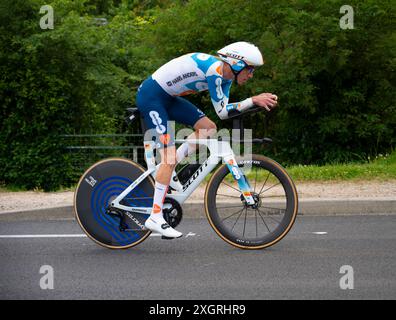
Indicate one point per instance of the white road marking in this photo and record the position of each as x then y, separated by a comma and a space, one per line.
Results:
191, 234
43, 236
27, 236
320, 232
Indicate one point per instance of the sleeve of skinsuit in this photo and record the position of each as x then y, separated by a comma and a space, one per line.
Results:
219, 90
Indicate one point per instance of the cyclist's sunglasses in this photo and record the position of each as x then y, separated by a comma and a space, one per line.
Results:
250, 69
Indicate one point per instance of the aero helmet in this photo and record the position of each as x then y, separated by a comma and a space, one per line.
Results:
241, 54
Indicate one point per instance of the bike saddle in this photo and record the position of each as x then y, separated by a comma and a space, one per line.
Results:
133, 113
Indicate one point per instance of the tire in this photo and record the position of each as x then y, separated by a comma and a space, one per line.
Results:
275, 211
101, 184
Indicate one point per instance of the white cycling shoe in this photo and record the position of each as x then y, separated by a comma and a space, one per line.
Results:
161, 226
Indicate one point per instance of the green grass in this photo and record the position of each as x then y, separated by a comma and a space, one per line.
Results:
383, 168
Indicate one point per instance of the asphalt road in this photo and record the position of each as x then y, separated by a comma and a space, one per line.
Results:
306, 264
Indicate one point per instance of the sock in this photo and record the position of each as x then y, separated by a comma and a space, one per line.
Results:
159, 197
184, 150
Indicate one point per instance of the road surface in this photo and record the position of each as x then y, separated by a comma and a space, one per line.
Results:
326, 257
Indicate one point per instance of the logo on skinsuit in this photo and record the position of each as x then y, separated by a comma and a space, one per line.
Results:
156, 208
165, 138
157, 121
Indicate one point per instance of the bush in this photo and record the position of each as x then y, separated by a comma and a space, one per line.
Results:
336, 87
54, 82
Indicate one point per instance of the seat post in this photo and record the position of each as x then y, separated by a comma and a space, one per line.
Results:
142, 126
237, 123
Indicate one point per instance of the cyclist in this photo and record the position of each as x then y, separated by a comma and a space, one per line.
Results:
159, 99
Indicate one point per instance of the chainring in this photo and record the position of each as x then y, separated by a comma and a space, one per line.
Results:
172, 211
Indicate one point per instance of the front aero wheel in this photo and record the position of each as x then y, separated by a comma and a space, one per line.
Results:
252, 226
97, 188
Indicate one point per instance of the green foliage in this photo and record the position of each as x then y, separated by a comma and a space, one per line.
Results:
54, 82
383, 169
336, 87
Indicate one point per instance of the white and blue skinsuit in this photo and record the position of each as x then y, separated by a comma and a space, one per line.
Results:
159, 98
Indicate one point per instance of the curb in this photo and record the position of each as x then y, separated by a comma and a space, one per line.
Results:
307, 207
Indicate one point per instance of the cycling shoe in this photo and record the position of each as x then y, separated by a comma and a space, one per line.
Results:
162, 227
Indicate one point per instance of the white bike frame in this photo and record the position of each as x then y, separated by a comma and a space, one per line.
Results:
219, 151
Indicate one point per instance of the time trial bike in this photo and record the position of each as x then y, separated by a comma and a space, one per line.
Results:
250, 202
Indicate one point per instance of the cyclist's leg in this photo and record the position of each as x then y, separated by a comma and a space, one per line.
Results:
183, 111
152, 101
156, 221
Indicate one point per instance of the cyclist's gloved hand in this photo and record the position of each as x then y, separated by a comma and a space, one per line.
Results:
266, 100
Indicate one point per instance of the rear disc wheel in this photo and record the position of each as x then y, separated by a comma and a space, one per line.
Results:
96, 190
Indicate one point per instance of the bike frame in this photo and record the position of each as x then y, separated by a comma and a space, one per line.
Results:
219, 151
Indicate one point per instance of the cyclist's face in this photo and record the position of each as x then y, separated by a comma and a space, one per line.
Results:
245, 75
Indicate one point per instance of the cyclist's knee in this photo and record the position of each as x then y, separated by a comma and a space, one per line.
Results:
206, 127
212, 127
210, 131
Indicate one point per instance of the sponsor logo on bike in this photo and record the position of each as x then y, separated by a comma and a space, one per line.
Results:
195, 176
249, 161
139, 224
91, 181
235, 172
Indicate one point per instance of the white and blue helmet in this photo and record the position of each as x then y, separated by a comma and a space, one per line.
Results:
241, 54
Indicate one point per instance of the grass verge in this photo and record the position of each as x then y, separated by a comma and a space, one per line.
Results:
380, 169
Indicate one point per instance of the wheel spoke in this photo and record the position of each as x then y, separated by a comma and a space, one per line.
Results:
268, 216
255, 215
237, 220
269, 188
264, 182
232, 215
255, 181
264, 221
244, 225
231, 186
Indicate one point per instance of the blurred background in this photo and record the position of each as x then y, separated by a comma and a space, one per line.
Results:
63, 91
